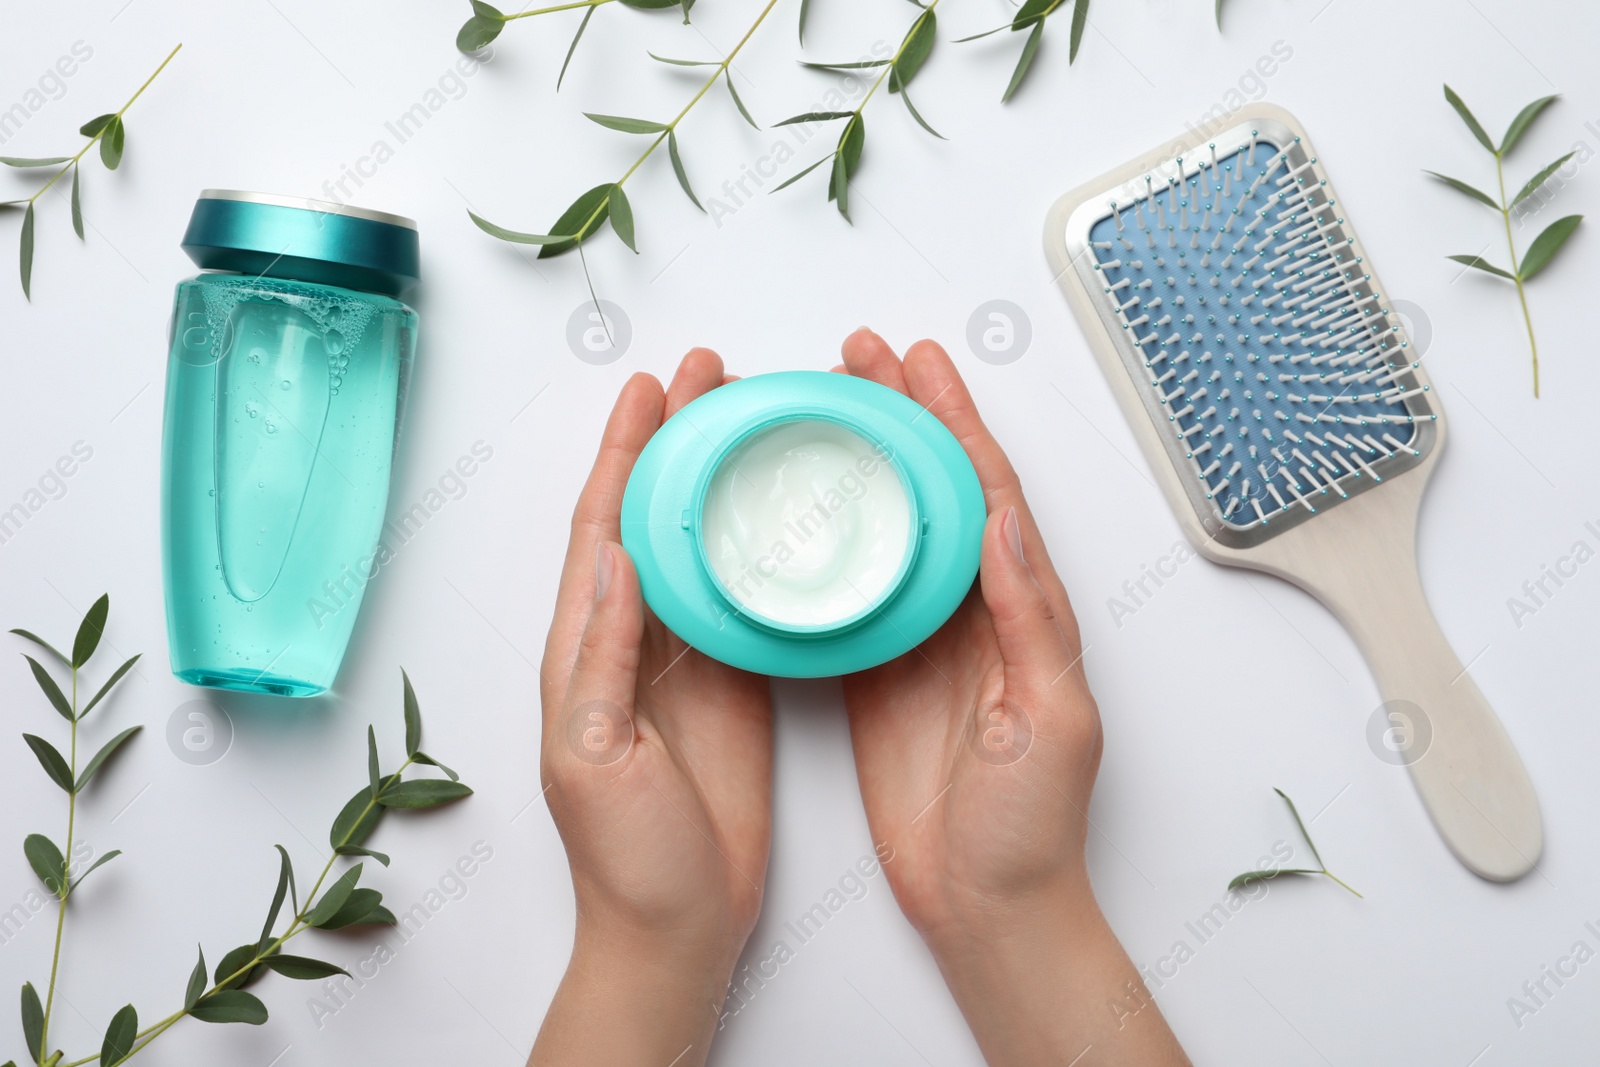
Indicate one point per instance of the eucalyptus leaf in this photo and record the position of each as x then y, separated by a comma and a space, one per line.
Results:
622, 217
379, 916
1080, 19
357, 850
683, 182
482, 28
1471, 121
413, 715
1033, 12
727, 76
1296, 813
32, 1022
354, 910
372, 761
228, 973
120, 1036
23, 162
197, 981
112, 142
914, 51
905, 96
1479, 263
805, 9
96, 124
334, 896
864, 64
90, 630
791, 180
573, 47
77, 206
116, 676
684, 62
422, 793
427, 760
580, 221
46, 860
25, 252
514, 236
304, 968
985, 33
356, 820
285, 876
623, 124
230, 1006
1539, 179
52, 762
41, 642
1029, 48
104, 859
1524, 119
58, 699
1463, 187
661, 5
1219, 14
815, 116
105, 753
839, 186
1547, 244
1262, 876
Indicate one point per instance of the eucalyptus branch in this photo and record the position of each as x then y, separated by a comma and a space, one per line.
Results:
1033, 14
223, 998
1548, 243
488, 21
1249, 877
110, 133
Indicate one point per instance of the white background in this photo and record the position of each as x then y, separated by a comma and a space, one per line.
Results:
1222, 687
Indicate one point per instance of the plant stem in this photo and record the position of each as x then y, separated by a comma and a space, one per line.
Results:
73, 162
1341, 881
558, 7
66, 882
927, 12
1516, 271
722, 70
298, 926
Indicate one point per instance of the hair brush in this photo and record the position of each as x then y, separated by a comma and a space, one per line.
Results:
1291, 427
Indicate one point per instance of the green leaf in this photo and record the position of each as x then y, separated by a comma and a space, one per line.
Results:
304, 968
96, 865
372, 761
45, 859
1540, 178
22, 162
230, 1006
1024, 61
77, 206
285, 879
422, 793
334, 897
790, 181
683, 182
1547, 244
25, 252
379, 916
1262, 876
111, 143
488, 11
815, 116
90, 631
1032, 12
573, 47
116, 676
1219, 14
424, 758
1463, 187
985, 33
105, 752
42, 643
357, 850
659, 5
1482, 264
839, 186
120, 1035
805, 9
684, 62
514, 236
51, 690
96, 124
1524, 119
727, 76
1296, 813
50, 760
484, 26
913, 51
623, 124
1080, 19
355, 910
413, 715
32, 1022
587, 213
905, 96
227, 974
356, 820
865, 64
622, 217
197, 981
1467, 117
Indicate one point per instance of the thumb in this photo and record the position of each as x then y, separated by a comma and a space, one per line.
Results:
597, 716
1032, 644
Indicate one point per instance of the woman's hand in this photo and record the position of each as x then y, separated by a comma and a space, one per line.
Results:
658, 768
976, 753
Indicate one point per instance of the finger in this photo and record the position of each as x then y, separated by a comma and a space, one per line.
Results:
597, 518
699, 373
866, 355
937, 385
729, 379
1033, 646
840, 369
606, 669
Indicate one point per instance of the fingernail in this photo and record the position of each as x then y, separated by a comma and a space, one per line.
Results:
604, 566
1013, 531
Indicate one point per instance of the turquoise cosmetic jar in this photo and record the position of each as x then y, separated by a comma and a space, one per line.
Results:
803, 524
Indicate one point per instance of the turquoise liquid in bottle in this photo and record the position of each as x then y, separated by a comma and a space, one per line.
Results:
283, 406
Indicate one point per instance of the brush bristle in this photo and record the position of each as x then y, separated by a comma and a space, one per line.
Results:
1237, 282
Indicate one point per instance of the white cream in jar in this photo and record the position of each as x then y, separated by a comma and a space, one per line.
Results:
806, 524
